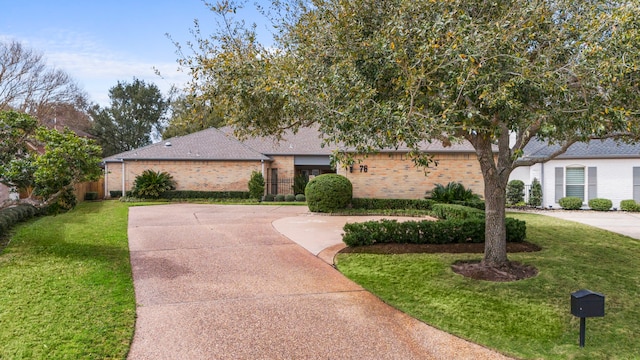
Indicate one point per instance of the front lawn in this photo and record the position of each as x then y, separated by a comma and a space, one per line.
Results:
530, 318
66, 286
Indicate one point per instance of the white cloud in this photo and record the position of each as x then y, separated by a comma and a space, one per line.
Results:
96, 67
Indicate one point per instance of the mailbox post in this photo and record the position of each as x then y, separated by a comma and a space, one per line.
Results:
584, 304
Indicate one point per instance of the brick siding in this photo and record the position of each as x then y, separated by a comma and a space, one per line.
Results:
394, 176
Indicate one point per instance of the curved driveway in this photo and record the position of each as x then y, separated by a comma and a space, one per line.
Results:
219, 282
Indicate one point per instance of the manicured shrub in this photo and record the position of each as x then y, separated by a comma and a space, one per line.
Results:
515, 192
454, 191
279, 197
12, 215
289, 197
115, 194
474, 203
570, 203
151, 184
454, 211
629, 205
600, 204
392, 204
328, 193
301, 198
256, 185
535, 195
269, 197
91, 195
426, 232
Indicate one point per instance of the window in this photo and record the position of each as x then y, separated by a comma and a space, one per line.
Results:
575, 182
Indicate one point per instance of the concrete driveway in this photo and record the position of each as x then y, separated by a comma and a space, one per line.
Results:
621, 222
219, 282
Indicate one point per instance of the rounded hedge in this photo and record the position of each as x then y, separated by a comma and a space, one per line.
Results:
629, 205
289, 197
570, 203
328, 193
600, 204
279, 198
301, 198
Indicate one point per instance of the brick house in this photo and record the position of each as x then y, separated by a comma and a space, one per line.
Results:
214, 160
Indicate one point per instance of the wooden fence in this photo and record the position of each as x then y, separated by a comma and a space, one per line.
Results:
94, 186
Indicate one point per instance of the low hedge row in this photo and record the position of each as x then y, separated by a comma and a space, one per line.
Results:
393, 204
191, 194
454, 211
15, 214
427, 232
629, 205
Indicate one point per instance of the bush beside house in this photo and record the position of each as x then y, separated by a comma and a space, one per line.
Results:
328, 193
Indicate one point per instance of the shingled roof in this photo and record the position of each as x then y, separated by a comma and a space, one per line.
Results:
221, 144
209, 144
594, 149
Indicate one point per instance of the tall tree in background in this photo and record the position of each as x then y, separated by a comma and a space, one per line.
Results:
28, 85
136, 115
187, 116
377, 74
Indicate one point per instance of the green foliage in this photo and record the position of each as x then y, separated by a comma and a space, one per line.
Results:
290, 197
137, 111
269, 197
328, 193
515, 192
300, 197
600, 204
453, 211
15, 214
426, 232
299, 184
152, 184
629, 205
256, 185
374, 75
115, 194
91, 195
453, 191
535, 196
279, 197
189, 116
570, 203
67, 158
404, 204
64, 202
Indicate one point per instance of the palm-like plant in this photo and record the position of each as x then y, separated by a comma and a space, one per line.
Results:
152, 184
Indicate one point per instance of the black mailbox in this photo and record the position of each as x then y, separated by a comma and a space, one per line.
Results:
587, 303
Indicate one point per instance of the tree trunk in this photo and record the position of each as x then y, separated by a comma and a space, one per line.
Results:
495, 247
495, 172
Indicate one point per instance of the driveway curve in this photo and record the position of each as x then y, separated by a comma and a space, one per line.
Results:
219, 282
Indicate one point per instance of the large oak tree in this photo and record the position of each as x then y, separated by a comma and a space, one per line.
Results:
375, 74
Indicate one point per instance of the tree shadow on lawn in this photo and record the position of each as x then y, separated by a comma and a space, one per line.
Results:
513, 271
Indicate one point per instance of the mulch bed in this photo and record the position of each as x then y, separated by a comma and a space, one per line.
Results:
512, 271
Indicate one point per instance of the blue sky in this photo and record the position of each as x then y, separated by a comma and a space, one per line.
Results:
102, 42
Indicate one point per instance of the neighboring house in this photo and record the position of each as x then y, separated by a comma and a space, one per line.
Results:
597, 169
215, 160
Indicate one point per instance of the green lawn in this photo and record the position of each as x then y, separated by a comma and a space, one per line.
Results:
66, 286
527, 319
